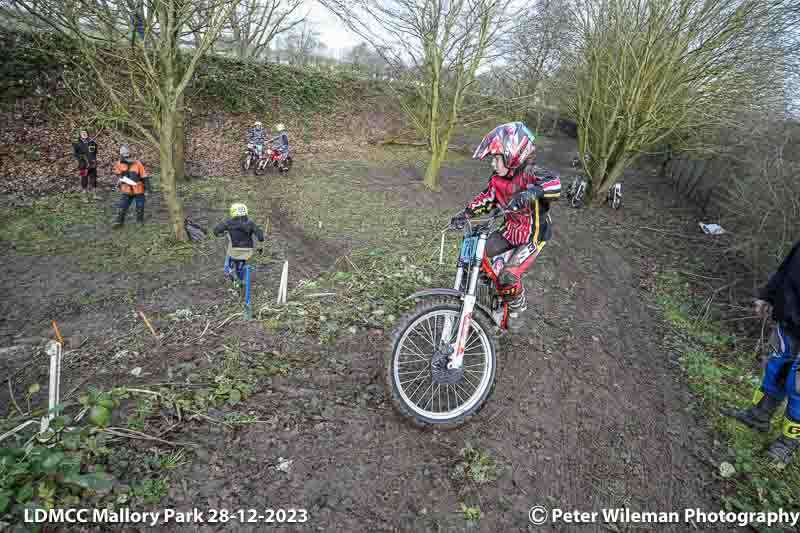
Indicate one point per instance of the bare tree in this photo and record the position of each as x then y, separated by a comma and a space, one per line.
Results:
650, 70
531, 53
440, 43
138, 66
254, 24
364, 59
302, 43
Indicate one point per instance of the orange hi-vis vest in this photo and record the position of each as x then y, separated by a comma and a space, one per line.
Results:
134, 172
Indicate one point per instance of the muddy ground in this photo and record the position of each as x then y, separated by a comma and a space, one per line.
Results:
589, 410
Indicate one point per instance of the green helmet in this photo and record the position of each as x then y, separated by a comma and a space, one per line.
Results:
238, 210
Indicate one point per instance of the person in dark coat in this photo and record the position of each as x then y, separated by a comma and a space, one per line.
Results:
781, 297
85, 152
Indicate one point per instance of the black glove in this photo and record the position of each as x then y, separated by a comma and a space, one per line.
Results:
459, 221
523, 199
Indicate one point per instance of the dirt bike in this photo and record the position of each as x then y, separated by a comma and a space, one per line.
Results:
578, 163
443, 359
278, 161
576, 192
614, 197
252, 158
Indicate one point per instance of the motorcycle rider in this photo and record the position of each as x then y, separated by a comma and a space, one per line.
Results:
257, 136
781, 295
282, 137
518, 185
283, 141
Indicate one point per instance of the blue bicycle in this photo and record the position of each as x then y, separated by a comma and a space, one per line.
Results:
240, 273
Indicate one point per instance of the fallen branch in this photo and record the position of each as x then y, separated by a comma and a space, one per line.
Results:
353, 264
14, 400
208, 323
320, 294
672, 233
227, 320
17, 429
740, 318
141, 314
133, 434
698, 275
74, 389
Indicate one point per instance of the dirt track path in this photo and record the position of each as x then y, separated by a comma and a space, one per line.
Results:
587, 415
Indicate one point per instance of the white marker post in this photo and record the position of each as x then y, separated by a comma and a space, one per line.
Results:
441, 251
54, 350
284, 283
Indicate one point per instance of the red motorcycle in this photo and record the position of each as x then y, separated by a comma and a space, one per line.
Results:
279, 159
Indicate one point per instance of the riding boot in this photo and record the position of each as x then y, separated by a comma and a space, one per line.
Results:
140, 214
120, 218
759, 415
785, 446
516, 307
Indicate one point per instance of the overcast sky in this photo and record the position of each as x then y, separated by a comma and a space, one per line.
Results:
332, 31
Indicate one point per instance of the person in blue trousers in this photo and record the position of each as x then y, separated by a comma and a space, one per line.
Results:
781, 382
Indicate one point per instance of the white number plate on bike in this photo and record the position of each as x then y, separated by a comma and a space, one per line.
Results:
468, 248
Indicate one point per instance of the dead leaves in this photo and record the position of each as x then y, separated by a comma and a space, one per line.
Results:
36, 149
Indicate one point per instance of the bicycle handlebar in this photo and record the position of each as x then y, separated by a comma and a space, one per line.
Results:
490, 217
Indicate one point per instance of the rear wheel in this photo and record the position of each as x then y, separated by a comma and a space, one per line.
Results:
577, 198
420, 386
616, 201
246, 160
260, 167
287, 165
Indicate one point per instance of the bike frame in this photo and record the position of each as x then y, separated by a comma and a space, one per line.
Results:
242, 271
472, 255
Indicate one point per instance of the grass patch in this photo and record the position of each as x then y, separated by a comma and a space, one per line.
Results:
721, 373
396, 247
476, 467
369, 296
66, 227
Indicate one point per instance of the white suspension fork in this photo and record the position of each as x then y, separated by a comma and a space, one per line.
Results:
447, 330
457, 353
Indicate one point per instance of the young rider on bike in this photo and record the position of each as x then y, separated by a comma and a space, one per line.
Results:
514, 185
282, 138
240, 230
257, 136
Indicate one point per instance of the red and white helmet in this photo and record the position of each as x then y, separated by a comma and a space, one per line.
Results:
514, 141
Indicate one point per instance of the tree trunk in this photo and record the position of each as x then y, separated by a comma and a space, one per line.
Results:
168, 183
600, 187
432, 172
180, 141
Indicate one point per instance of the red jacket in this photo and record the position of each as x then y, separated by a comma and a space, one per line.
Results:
527, 225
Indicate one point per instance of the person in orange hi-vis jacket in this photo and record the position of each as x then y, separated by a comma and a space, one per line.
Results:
133, 182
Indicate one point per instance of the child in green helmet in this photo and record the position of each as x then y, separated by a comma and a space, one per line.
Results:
240, 230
